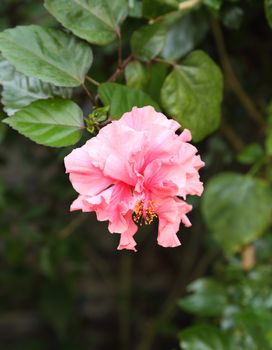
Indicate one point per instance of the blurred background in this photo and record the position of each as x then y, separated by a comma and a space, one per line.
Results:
63, 283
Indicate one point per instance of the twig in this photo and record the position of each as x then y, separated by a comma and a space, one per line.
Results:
231, 136
231, 77
119, 38
188, 4
91, 80
89, 94
120, 70
73, 225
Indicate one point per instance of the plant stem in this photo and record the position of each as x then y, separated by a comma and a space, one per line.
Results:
91, 80
231, 77
119, 38
186, 5
73, 225
231, 136
257, 166
120, 70
89, 94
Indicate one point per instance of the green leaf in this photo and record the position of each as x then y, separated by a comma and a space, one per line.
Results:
47, 54
204, 337
54, 122
256, 326
149, 78
121, 98
156, 8
237, 209
184, 35
232, 16
136, 75
135, 8
148, 41
192, 94
268, 11
156, 75
20, 90
208, 298
93, 20
213, 4
6, 71
251, 154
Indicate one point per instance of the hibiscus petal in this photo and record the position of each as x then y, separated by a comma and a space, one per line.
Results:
85, 178
126, 240
186, 135
147, 119
137, 163
171, 211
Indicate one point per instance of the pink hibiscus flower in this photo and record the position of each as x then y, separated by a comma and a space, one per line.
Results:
137, 169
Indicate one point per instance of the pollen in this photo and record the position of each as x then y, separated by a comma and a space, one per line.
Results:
144, 212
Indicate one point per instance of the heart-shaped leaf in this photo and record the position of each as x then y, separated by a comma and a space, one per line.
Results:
192, 94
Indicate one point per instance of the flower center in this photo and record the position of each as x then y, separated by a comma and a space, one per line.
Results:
144, 212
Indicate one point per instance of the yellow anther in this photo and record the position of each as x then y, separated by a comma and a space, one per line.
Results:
144, 213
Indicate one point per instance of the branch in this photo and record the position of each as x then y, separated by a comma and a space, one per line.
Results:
88, 94
73, 225
231, 77
120, 69
119, 38
232, 137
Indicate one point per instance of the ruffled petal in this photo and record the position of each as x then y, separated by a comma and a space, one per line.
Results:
147, 119
186, 135
137, 160
171, 211
85, 177
126, 239
116, 150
